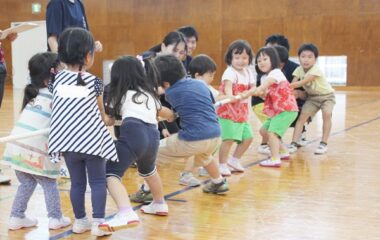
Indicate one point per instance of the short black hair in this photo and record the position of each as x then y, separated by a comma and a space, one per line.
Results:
189, 31
237, 47
170, 69
201, 64
308, 47
278, 39
273, 56
282, 53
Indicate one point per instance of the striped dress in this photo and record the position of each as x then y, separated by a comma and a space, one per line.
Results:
76, 123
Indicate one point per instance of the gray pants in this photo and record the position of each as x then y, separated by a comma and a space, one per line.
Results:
28, 183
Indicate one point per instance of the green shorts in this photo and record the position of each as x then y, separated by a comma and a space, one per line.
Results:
280, 123
237, 131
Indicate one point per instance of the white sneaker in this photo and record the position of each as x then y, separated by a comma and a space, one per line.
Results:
303, 142
285, 156
202, 172
160, 209
17, 223
271, 163
188, 179
264, 149
292, 148
322, 149
81, 225
55, 223
235, 165
4, 179
100, 229
124, 219
224, 170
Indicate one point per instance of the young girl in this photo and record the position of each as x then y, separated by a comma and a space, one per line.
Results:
28, 157
233, 117
133, 95
77, 130
280, 104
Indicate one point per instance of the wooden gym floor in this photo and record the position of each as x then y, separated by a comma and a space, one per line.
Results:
333, 196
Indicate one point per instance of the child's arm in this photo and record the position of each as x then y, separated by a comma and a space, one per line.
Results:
308, 79
167, 114
106, 119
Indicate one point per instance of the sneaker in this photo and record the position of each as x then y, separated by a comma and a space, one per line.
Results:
123, 219
202, 172
141, 196
293, 147
303, 142
188, 179
81, 225
224, 170
235, 165
285, 156
160, 209
17, 223
264, 149
64, 172
100, 229
322, 148
271, 163
55, 223
4, 179
219, 188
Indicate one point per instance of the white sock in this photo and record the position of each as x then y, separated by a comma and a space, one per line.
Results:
235, 159
217, 180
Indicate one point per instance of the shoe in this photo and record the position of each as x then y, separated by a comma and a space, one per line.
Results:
322, 148
160, 209
100, 229
285, 156
293, 147
141, 196
219, 188
270, 163
303, 142
64, 172
224, 170
202, 172
264, 149
18, 223
235, 165
123, 219
4, 179
81, 225
55, 223
188, 179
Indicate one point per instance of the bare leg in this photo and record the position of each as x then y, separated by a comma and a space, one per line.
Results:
242, 148
224, 151
326, 116
155, 185
274, 144
213, 170
299, 126
118, 192
189, 164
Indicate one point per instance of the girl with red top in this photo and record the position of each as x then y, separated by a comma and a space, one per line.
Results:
280, 104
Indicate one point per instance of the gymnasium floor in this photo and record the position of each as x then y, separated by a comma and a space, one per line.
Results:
332, 196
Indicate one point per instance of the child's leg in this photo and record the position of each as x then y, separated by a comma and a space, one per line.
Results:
224, 150
274, 144
326, 116
24, 192
51, 194
189, 165
242, 148
118, 192
304, 116
75, 163
155, 185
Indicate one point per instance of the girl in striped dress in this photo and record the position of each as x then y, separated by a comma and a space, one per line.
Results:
28, 157
78, 129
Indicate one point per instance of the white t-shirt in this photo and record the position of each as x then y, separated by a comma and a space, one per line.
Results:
245, 78
275, 74
140, 110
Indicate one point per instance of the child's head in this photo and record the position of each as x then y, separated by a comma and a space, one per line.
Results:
239, 55
42, 68
76, 47
173, 43
202, 67
283, 55
307, 54
170, 69
277, 39
128, 73
266, 60
191, 37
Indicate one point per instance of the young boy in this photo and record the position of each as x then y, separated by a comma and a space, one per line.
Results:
320, 95
200, 133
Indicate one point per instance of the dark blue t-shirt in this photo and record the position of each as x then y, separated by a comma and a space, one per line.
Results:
191, 99
61, 14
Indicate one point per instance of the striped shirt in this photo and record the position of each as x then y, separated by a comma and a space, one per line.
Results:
76, 123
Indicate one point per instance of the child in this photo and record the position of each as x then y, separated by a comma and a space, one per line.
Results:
199, 136
28, 157
233, 117
280, 104
133, 96
77, 130
320, 95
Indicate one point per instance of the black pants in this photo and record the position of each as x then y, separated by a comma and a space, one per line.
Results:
3, 76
